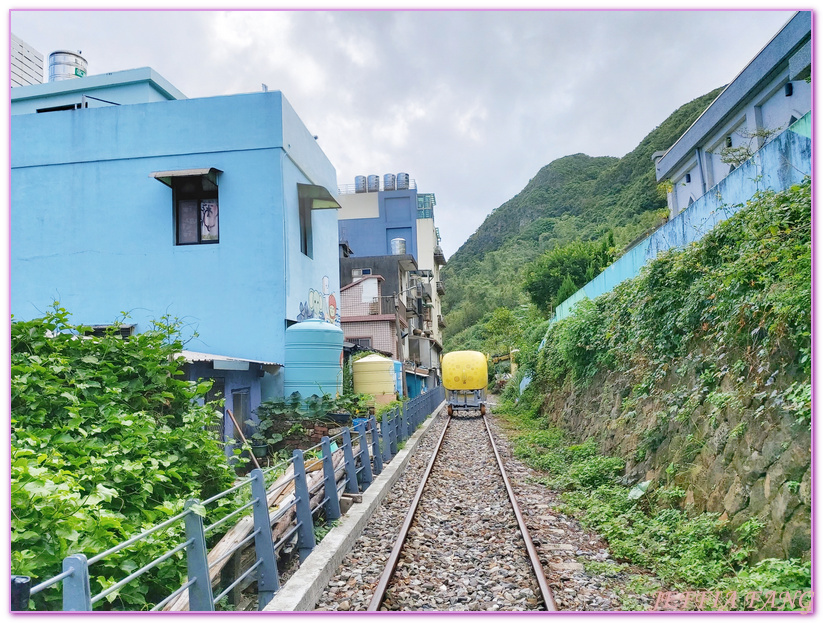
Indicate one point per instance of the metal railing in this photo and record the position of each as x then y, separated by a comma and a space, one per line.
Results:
351, 189
362, 461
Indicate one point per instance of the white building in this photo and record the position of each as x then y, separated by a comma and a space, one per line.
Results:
26, 64
769, 95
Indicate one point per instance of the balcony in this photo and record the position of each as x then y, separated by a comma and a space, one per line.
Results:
439, 257
440, 322
441, 289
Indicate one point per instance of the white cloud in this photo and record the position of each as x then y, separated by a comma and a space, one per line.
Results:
470, 103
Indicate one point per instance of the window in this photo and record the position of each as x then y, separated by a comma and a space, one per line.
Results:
216, 392
241, 410
305, 227
197, 210
362, 342
311, 197
125, 331
196, 206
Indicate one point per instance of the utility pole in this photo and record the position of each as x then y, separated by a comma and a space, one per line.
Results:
400, 354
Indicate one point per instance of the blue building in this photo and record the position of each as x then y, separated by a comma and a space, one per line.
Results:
128, 197
380, 223
369, 221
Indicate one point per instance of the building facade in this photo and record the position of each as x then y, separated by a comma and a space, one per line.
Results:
218, 211
26, 63
384, 220
386, 304
771, 93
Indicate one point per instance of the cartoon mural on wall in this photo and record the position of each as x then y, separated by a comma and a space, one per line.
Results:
320, 304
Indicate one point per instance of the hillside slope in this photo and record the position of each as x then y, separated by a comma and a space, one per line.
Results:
697, 374
576, 197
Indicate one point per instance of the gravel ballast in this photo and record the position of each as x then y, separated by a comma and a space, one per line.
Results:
466, 551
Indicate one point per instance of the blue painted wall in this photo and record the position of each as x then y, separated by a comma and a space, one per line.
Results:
779, 164
397, 219
132, 86
92, 229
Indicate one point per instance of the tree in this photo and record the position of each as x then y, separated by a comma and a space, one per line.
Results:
503, 331
567, 288
575, 263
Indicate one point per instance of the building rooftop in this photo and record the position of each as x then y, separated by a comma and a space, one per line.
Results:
773, 58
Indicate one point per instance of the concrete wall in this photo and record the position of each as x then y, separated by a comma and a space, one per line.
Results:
784, 161
396, 218
132, 86
356, 206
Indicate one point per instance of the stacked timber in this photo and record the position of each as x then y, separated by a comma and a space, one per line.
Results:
278, 496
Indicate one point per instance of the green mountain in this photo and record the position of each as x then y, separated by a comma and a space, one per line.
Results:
574, 198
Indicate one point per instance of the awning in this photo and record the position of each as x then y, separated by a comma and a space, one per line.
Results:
166, 176
321, 199
221, 362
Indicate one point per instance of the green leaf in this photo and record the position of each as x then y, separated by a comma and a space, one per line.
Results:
198, 509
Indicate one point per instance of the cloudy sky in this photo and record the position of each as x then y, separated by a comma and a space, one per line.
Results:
470, 103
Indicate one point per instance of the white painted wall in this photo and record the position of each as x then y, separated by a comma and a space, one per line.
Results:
358, 205
769, 109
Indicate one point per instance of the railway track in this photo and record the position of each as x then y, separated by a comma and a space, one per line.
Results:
463, 547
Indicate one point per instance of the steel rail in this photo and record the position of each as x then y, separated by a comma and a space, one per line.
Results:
537, 567
394, 556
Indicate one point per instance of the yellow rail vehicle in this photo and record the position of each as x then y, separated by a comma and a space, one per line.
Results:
465, 376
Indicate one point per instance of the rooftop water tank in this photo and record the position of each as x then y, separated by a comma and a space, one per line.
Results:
314, 359
65, 65
398, 246
388, 181
374, 374
402, 181
360, 184
374, 183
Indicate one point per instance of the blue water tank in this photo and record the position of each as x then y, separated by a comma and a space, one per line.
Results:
314, 359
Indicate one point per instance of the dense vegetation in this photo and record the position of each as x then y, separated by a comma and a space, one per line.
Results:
646, 527
730, 315
106, 441
557, 274
744, 290
575, 199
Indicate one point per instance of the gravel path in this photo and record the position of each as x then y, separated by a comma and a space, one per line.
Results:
577, 564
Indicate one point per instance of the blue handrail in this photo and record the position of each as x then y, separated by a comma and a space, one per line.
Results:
376, 445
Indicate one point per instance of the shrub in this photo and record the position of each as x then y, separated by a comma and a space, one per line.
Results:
106, 440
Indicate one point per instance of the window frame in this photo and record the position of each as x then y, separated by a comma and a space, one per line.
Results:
306, 239
200, 194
